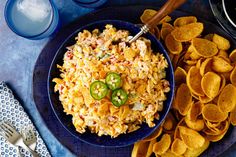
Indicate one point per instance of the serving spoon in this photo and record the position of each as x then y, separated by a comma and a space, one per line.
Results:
166, 9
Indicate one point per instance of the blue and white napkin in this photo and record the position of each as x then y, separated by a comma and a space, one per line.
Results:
11, 111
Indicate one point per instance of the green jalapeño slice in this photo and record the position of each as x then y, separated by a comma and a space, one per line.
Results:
119, 97
98, 90
113, 81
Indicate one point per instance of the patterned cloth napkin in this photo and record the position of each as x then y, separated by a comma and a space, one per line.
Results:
12, 112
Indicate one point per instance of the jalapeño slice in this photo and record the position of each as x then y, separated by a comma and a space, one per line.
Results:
119, 97
113, 81
98, 90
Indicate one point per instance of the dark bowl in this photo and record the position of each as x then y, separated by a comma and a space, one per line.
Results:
229, 7
220, 15
92, 138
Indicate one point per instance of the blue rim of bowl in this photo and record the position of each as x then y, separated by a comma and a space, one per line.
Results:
95, 4
20, 34
159, 121
226, 14
86, 2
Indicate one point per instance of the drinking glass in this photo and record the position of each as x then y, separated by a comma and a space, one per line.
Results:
32, 19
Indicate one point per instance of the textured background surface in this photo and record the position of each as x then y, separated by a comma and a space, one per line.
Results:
18, 56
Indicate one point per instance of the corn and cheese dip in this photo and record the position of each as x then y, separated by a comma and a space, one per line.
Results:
96, 54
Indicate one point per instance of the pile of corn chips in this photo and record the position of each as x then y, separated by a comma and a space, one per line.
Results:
205, 93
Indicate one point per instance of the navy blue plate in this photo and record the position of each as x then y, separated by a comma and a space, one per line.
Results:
92, 138
76, 146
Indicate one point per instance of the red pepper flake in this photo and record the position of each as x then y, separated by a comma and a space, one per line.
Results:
69, 55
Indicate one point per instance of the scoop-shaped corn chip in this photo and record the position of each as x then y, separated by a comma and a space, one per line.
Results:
178, 147
149, 13
233, 76
191, 137
232, 117
223, 53
204, 47
163, 145
223, 83
224, 125
209, 36
187, 32
205, 93
167, 25
195, 96
199, 62
214, 128
212, 124
140, 149
215, 138
232, 56
195, 111
206, 66
183, 99
219, 64
227, 98
177, 133
170, 122
184, 20
194, 81
150, 148
222, 131
225, 58
169, 153
221, 42
211, 84
211, 131
180, 76
172, 45
165, 20
212, 113
165, 32
154, 135
205, 99
194, 55
191, 62
197, 125
197, 151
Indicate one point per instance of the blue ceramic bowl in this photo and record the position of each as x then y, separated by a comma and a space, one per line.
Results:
92, 138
